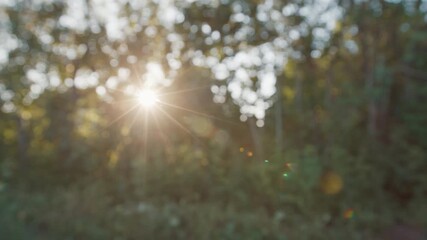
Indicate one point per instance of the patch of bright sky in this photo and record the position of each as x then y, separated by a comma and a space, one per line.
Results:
154, 76
75, 15
8, 42
265, 61
4, 3
322, 12
103, 12
168, 14
256, 62
86, 78
110, 13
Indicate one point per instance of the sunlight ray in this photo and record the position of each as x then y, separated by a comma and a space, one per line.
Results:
156, 122
128, 111
133, 99
145, 136
184, 90
138, 76
160, 130
134, 118
178, 123
116, 90
196, 112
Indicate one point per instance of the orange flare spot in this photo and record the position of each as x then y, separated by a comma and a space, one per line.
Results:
331, 183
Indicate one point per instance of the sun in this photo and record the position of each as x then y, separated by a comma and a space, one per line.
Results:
147, 98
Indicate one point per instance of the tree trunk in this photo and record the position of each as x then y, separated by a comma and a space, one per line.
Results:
368, 54
279, 119
22, 144
298, 94
330, 79
256, 137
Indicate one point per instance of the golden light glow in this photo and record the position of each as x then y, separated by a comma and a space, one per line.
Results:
331, 183
148, 98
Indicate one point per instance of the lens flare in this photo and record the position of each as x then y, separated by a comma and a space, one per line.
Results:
349, 213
